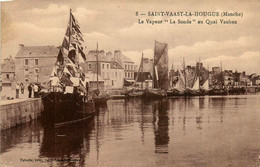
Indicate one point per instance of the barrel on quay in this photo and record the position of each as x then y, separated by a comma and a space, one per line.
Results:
18, 111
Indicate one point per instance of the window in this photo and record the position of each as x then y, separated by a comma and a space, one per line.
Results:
131, 75
125, 74
26, 62
103, 66
36, 61
125, 67
107, 66
131, 67
89, 66
112, 82
128, 75
7, 76
36, 70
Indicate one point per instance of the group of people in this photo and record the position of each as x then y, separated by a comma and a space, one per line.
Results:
32, 88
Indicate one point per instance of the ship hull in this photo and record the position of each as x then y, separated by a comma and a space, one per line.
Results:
136, 93
154, 94
217, 92
63, 109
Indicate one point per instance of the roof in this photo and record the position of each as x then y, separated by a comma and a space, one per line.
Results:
101, 56
115, 65
8, 66
126, 59
37, 51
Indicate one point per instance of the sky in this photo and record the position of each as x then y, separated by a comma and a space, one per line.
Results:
114, 25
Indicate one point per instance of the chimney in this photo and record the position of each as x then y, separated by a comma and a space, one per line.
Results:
21, 46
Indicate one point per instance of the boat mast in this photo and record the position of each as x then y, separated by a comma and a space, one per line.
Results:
142, 66
184, 73
97, 64
199, 71
221, 75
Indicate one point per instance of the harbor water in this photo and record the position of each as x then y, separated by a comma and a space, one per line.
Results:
195, 131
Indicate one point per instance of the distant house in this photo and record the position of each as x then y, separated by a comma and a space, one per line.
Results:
127, 64
90, 69
111, 71
35, 63
228, 78
8, 72
116, 75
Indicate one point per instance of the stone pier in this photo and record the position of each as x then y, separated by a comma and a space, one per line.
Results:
18, 111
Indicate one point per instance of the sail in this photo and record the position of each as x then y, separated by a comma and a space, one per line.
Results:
196, 85
161, 64
206, 85
180, 86
139, 76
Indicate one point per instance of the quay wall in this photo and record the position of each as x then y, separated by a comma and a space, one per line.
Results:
15, 112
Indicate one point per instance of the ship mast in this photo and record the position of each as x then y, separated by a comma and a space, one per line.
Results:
184, 73
142, 66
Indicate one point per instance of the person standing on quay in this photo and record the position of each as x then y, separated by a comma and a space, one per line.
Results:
22, 88
17, 90
30, 90
35, 90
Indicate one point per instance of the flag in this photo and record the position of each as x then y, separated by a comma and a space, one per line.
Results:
65, 43
71, 70
60, 58
82, 53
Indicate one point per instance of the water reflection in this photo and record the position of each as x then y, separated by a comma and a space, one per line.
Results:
161, 123
177, 131
67, 146
28, 133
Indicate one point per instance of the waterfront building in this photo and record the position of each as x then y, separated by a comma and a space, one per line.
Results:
228, 78
33, 64
110, 72
116, 75
127, 64
8, 73
97, 64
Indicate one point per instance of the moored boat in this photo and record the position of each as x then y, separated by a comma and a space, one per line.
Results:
160, 72
154, 94
68, 100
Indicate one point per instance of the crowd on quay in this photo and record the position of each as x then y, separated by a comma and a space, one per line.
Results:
33, 90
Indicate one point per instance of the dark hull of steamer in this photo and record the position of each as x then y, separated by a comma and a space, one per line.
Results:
64, 109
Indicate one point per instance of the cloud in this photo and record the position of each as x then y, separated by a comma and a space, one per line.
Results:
52, 10
248, 61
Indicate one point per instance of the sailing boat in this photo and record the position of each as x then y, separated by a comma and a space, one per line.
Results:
136, 91
160, 72
99, 98
68, 102
196, 90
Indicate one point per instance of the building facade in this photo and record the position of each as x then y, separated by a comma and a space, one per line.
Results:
127, 64
8, 72
35, 63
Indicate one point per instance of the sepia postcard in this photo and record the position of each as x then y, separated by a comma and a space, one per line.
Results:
130, 83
